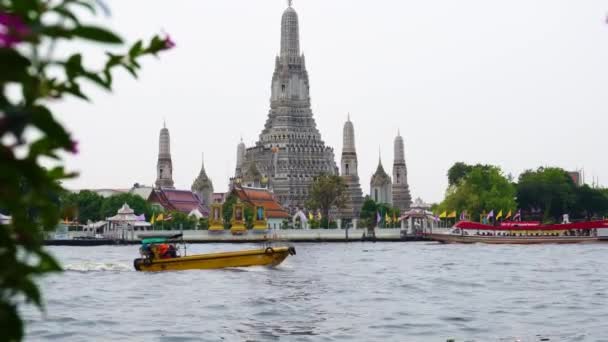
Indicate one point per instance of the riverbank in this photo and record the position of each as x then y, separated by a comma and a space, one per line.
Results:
291, 235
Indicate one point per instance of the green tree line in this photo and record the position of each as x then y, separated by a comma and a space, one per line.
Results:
545, 193
85, 206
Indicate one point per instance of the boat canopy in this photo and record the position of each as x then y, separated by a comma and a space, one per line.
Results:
533, 225
158, 238
150, 241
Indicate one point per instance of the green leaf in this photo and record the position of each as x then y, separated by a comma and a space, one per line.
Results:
11, 324
43, 119
73, 66
57, 31
14, 65
74, 89
135, 49
84, 4
66, 13
97, 34
96, 79
131, 70
31, 292
43, 146
48, 263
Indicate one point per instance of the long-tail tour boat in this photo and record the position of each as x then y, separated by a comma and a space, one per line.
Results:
161, 253
527, 232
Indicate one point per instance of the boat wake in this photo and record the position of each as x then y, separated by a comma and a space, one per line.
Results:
97, 267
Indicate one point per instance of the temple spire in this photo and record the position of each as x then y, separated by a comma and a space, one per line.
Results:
203, 186
289, 3
401, 191
290, 33
348, 137
164, 166
349, 168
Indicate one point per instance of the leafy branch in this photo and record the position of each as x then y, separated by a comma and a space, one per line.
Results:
30, 30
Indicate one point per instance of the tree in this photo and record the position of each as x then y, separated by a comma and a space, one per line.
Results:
110, 205
325, 192
179, 220
31, 76
82, 206
548, 190
203, 223
482, 189
227, 209
590, 202
457, 172
369, 209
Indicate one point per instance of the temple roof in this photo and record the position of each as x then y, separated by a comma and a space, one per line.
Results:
380, 177
202, 181
252, 172
180, 200
261, 197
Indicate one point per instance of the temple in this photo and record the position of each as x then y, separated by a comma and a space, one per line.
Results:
354, 202
381, 185
401, 190
203, 187
290, 151
164, 167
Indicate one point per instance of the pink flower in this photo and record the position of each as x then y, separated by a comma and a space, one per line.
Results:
13, 30
169, 43
73, 147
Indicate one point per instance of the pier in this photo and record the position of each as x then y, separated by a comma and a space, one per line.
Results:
290, 235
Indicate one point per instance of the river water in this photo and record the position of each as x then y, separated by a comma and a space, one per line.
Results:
334, 292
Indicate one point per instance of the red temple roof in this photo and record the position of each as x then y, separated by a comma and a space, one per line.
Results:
261, 197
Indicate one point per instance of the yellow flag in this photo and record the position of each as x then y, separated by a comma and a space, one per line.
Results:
310, 217
152, 220
443, 214
387, 218
499, 215
452, 214
319, 216
160, 217
509, 214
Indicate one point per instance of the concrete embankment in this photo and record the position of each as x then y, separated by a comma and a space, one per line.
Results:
290, 235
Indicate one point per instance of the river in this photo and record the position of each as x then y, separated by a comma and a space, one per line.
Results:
419, 291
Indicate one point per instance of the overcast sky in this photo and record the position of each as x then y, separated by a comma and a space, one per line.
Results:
516, 83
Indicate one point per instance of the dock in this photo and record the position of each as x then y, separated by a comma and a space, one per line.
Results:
290, 235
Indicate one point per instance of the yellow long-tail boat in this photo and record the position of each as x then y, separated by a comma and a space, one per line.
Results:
160, 254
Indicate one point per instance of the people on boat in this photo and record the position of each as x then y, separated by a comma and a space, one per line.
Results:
166, 251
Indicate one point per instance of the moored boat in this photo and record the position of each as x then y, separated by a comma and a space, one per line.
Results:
160, 254
531, 232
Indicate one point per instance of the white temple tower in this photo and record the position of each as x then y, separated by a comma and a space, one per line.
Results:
401, 190
164, 166
240, 156
349, 173
289, 152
